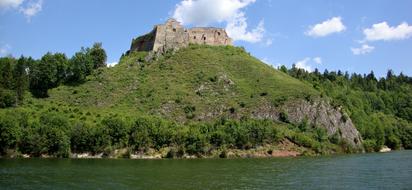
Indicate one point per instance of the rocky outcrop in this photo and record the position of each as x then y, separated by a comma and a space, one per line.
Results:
318, 113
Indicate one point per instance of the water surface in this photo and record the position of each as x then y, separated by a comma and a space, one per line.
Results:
361, 171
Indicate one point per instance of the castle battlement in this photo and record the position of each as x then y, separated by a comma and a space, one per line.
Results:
172, 35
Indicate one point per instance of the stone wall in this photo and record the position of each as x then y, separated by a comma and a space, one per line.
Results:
172, 35
209, 36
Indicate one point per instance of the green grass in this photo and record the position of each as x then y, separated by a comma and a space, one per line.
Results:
195, 83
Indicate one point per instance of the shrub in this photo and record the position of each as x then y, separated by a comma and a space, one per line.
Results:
41, 139
370, 145
117, 131
406, 136
284, 117
81, 138
7, 98
139, 134
303, 140
10, 133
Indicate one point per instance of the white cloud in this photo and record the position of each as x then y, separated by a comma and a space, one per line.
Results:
307, 63
32, 8
333, 25
304, 64
317, 60
5, 4
269, 62
364, 49
5, 49
112, 64
28, 8
266, 61
206, 12
237, 29
382, 31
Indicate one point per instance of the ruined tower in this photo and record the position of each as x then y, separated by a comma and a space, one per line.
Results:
172, 35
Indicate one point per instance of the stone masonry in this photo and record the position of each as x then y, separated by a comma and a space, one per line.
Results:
172, 35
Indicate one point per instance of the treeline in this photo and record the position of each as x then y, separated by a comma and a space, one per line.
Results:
38, 76
381, 108
54, 134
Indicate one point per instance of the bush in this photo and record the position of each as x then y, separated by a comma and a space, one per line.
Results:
117, 131
7, 98
370, 145
140, 132
10, 133
284, 117
81, 138
393, 142
406, 136
303, 140
45, 139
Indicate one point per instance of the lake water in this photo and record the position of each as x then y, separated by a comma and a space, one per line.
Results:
361, 171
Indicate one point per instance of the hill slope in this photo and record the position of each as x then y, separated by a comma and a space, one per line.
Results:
198, 101
199, 83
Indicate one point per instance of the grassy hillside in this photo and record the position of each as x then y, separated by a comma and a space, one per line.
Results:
196, 101
196, 83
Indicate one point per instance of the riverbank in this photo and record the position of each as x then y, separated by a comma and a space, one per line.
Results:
285, 148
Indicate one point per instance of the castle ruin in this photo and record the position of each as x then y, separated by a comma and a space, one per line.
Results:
172, 35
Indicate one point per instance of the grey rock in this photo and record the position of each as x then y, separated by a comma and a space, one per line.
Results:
318, 113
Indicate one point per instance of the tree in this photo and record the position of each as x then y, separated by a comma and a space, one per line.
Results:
62, 63
6, 75
47, 74
98, 55
78, 67
284, 69
21, 78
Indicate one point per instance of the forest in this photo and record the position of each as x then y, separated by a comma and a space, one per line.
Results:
381, 108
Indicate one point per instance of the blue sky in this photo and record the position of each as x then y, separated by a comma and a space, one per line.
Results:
351, 35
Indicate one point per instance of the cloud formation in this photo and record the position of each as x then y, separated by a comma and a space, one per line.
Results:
28, 8
6, 4
206, 12
382, 31
333, 25
32, 8
112, 64
317, 60
304, 64
307, 62
4, 49
364, 49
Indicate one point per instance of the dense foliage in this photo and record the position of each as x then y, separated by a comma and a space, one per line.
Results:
50, 71
381, 109
58, 105
55, 135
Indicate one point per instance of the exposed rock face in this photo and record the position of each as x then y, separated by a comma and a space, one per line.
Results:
317, 113
172, 35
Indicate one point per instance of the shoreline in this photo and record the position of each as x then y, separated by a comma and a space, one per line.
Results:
282, 150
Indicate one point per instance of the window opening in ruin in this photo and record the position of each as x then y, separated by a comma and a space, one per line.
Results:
194, 37
174, 29
218, 33
204, 38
